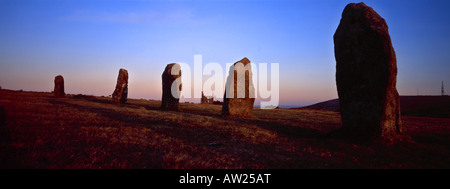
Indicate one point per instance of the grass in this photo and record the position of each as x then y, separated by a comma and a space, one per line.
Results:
79, 131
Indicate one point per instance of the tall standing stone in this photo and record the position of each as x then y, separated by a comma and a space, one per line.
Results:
239, 91
120, 94
366, 74
171, 87
59, 87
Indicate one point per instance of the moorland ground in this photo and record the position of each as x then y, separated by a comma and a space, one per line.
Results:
80, 131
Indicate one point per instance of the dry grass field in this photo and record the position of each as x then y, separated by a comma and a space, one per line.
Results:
40, 131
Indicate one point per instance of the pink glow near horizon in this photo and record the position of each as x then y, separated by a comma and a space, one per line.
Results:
149, 87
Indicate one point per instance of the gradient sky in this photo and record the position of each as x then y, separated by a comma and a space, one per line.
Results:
89, 41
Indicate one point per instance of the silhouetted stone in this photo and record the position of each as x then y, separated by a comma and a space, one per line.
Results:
239, 91
59, 87
366, 74
120, 94
171, 87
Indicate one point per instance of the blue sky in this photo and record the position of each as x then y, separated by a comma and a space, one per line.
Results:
89, 41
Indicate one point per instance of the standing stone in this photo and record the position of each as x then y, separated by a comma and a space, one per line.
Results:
239, 91
366, 74
171, 87
59, 87
121, 92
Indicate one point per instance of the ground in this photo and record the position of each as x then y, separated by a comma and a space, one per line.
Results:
79, 131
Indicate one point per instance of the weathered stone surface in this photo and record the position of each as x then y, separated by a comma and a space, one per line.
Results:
171, 87
120, 94
239, 91
366, 74
59, 87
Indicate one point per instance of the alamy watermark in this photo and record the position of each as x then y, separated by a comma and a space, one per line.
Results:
258, 81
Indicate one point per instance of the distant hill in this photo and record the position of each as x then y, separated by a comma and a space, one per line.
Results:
329, 105
423, 106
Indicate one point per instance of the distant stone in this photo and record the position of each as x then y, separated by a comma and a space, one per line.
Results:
366, 74
120, 94
207, 99
59, 87
171, 87
239, 90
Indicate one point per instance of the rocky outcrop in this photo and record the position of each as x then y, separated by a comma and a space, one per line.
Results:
207, 100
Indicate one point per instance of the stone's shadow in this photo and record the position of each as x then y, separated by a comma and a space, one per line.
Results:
109, 101
115, 115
